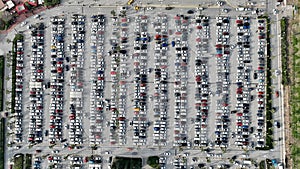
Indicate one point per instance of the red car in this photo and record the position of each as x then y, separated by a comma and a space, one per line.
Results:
238, 21
277, 93
218, 45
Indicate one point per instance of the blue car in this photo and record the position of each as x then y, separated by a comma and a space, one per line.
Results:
217, 132
156, 128
59, 59
124, 24
173, 43
219, 51
274, 162
246, 27
100, 72
164, 45
245, 127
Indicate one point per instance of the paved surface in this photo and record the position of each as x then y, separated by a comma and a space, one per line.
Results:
148, 149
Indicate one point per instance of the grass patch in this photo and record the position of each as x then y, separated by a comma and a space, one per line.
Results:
153, 161
28, 161
48, 3
127, 163
269, 108
295, 98
18, 161
284, 51
2, 80
2, 142
262, 164
294, 143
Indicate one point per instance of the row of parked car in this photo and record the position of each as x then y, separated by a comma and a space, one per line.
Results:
97, 79
77, 48
223, 81
36, 84
18, 115
119, 74
56, 80
55, 161
160, 97
181, 81
37, 163
139, 122
180, 162
261, 83
243, 80
201, 79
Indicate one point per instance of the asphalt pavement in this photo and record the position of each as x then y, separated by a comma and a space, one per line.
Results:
147, 150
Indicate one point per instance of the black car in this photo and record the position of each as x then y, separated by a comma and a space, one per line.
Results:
255, 75
277, 124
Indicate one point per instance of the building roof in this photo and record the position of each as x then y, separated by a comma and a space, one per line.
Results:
21, 8
10, 4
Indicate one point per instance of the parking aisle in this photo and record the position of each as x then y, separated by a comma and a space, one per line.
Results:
67, 75
213, 79
47, 74
108, 80
86, 82
171, 80
192, 29
113, 71
150, 76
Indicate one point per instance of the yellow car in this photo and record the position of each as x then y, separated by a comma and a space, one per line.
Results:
130, 2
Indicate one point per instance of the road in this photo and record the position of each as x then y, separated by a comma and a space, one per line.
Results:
278, 103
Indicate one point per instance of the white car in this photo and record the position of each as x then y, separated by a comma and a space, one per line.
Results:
149, 8
277, 72
23, 23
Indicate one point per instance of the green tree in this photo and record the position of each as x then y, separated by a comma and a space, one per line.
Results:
153, 161
113, 12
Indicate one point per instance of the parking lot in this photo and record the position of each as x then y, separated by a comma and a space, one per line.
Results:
169, 81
